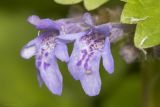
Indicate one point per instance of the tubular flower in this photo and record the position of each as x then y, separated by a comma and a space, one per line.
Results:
91, 42
89, 46
46, 49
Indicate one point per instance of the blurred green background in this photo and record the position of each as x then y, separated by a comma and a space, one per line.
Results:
132, 85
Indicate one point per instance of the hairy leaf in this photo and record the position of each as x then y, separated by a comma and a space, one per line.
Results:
67, 2
93, 4
147, 16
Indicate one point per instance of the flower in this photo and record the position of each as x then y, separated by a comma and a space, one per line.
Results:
89, 46
46, 49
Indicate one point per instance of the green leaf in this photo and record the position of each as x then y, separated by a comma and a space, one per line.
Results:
145, 13
67, 2
93, 4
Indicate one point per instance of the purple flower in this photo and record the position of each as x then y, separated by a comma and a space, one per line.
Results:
47, 49
89, 47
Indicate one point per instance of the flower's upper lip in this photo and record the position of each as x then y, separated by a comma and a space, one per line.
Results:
44, 24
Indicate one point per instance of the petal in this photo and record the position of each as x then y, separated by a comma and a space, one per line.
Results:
43, 24
49, 72
61, 52
40, 80
127, 28
91, 84
34, 20
68, 27
71, 37
29, 50
104, 29
76, 71
108, 62
116, 34
47, 24
88, 19
91, 81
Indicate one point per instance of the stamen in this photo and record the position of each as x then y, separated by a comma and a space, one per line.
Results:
88, 72
63, 31
39, 32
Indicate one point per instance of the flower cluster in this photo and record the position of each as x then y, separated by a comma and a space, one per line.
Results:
91, 42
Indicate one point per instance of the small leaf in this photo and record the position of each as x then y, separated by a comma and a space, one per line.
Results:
146, 14
67, 2
93, 4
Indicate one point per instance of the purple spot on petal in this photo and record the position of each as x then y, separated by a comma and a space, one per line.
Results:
84, 52
46, 54
79, 63
39, 63
86, 63
84, 55
87, 60
99, 40
46, 65
39, 58
91, 54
